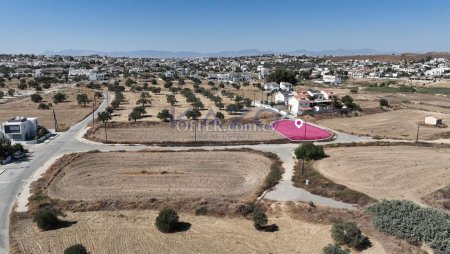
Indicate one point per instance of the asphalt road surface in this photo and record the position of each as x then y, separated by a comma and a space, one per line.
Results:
14, 176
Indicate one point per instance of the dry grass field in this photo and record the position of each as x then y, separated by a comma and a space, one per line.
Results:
134, 176
165, 133
398, 124
388, 172
134, 232
68, 113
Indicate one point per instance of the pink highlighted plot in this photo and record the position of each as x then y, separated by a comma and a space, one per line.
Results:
306, 132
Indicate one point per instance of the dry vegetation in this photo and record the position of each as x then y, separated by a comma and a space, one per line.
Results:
134, 232
186, 180
388, 172
165, 133
397, 124
67, 113
129, 176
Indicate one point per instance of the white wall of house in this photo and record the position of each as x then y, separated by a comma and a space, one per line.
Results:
20, 128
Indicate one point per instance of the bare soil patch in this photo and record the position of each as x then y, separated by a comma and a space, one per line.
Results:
136, 175
222, 181
398, 124
182, 133
67, 113
393, 172
439, 198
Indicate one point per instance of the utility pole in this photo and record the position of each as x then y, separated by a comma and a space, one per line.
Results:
93, 111
303, 166
254, 97
195, 131
54, 119
417, 136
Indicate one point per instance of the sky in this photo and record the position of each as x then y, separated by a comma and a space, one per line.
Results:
30, 26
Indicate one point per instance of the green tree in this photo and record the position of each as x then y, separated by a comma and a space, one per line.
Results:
309, 151
11, 92
165, 115
135, 115
232, 108
259, 219
219, 116
43, 106
193, 114
384, 103
46, 219
282, 75
170, 98
2, 94
82, 99
167, 220
144, 99
219, 104
334, 249
36, 98
104, 117
347, 233
197, 104
76, 249
59, 97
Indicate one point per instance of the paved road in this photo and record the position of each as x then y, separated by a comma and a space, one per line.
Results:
15, 176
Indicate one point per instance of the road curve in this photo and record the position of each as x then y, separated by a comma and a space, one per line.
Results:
15, 176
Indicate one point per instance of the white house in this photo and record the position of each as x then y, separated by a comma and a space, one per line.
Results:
272, 86
20, 128
97, 76
299, 104
282, 97
263, 73
332, 79
431, 120
286, 86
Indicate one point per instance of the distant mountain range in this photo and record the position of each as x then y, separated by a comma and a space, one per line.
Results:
191, 54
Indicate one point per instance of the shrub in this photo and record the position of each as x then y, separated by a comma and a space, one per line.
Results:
43, 106
347, 233
309, 151
165, 115
201, 210
46, 219
76, 249
59, 97
259, 219
220, 116
82, 99
167, 220
334, 249
412, 222
384, 103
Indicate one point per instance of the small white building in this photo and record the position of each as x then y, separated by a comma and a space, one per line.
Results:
332, 79
20, 128
97, 76
272, 86
431, 120
282, 97
286, 86
299, 104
